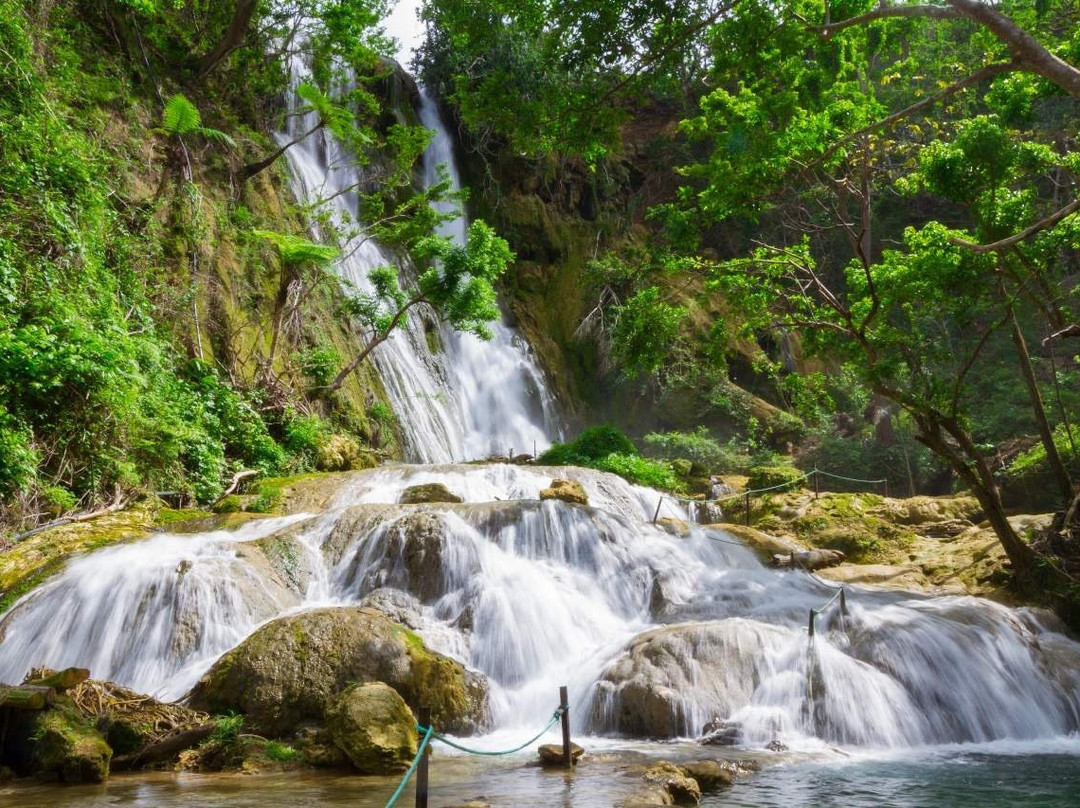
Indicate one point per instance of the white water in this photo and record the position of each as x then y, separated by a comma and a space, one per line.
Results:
473, 398
537, 594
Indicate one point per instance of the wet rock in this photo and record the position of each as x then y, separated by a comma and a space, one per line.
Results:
374, 727
566, 490
291, 670
342, 453
317, 748
428, 492
776, 746
809, 559
479, 802
676, 527
419, 541
401, 607
709, 774
683, 788
646, 797
669, 680
551, 754
727, 734
56, 744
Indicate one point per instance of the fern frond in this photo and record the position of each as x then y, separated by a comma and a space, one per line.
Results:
181, 117
317, 100
217, 135
298, 250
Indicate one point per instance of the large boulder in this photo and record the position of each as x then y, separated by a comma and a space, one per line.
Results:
566, 490
428, 492
291, 670
669, 682
683, 788
374, 727
55, 744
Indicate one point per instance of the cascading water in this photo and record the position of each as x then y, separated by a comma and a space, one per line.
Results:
656, 633
472, 399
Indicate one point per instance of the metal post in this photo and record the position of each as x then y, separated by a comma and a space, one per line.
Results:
748, 509
656, 515
886, 481
422, 770
811, 624
817, 485
564, 703
843, 602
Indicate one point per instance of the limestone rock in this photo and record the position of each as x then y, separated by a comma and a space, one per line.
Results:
479, 802
551, 754
374, 727
669, 680
56, 744
428, 492
566, 490
646, 797
684, 789
676, 527
291, 670
708, 773
810, 559
317, 748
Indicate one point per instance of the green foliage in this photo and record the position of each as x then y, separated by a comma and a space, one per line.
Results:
227, 729
771, 476
181, 117
639, 470
645, 330
591, 444
320, 365
702, 450
298, 251
281, 752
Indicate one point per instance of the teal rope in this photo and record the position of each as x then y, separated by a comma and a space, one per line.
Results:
848, 479
428, 732
554, 718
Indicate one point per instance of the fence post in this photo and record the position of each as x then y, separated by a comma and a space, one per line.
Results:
810, 627
886, 481
748, 509
422, 770
564, 703
659, 502
843, 602
817, 484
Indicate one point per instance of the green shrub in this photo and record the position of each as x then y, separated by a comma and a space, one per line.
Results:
639, 470
1028, 481
591, 444
771, 476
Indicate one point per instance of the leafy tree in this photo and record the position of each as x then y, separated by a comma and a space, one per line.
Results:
457, 286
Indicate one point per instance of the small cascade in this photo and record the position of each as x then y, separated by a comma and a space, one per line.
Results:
658, 629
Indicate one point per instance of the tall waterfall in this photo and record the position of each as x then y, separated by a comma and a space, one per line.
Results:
471, 399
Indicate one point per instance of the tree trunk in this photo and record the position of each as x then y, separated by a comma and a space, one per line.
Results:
380, 338
233, 38
165, 749
1046, 434
62, 680
27, 697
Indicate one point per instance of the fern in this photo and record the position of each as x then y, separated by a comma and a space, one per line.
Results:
181, 117
296, 250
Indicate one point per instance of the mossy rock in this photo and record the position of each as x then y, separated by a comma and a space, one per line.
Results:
569, 491
290, 670
773, 476
56, 744
428, 492
374, 727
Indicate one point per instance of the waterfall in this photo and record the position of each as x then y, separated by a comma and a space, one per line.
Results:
657, 633
471, 399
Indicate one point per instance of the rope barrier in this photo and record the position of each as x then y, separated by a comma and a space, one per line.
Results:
412, 768
554, 718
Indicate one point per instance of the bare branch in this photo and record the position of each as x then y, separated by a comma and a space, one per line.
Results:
1026, 233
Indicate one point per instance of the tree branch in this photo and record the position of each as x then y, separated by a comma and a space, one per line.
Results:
1028, 232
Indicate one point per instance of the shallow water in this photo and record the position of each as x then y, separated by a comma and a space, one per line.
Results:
1046, 775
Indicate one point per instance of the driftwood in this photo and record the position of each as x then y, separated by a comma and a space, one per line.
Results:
163, 749
67, 520
27, 697
234, 486
59, 680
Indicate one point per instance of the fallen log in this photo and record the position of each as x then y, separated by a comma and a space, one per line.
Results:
26, 697
164, 749
60, 680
